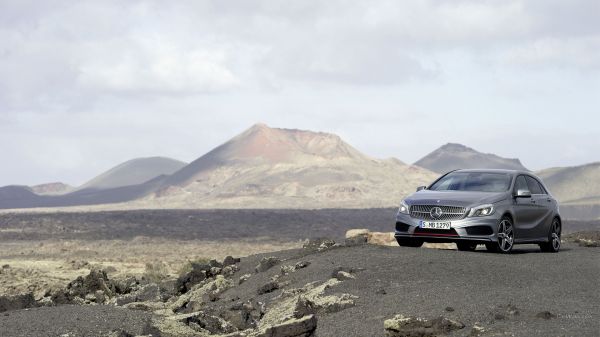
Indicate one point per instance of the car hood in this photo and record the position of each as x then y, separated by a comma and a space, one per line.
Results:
455, 198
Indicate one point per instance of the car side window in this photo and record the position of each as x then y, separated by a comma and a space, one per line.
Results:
521, 184
534, 186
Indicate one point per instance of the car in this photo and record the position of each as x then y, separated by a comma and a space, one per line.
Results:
497, 208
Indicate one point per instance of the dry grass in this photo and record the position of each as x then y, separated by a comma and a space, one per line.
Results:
40, 265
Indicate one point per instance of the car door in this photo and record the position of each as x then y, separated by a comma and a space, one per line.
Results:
525, 211
543, 210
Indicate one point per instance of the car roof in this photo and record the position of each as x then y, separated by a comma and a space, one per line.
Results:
512, 172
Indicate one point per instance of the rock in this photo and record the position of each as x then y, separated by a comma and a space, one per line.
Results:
127, 285
342, 276
402, 326
200, 294
17, 302
302, 327
503, 312
230, 261
215, 325
449, 309
245, 315
266, 263
268, 287
357, 237
150, 292
78, 289
244, 278
286, 269
215, 264
382, 239
146, 306
545, 315
230, 270
199, 273
307, 304
301, 265
477, 330
437, 245
318, 245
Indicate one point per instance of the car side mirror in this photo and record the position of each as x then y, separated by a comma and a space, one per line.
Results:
420, 188
523, 194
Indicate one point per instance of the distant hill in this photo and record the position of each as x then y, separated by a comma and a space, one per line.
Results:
133, 172
454, 156
262, 167
577, 184
52, 189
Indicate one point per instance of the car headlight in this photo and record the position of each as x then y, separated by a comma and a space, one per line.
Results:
483, 210
403, 208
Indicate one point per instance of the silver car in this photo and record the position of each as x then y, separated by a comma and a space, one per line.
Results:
498, 208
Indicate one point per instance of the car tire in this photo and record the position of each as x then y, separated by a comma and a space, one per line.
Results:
505, 237
553, 244
409, 242
466, 246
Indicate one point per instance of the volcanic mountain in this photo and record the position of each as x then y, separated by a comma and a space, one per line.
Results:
267, 167
454, 156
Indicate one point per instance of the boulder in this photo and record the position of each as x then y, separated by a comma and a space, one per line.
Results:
301, 265
382, 239
17, 302
268, 287
148, 293
245, 315
266, 263
230, 260
95, 286
402, 326
201, 321
199, 273
319, 244
295, 327
357, 237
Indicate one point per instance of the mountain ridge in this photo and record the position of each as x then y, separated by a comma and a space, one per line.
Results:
452, 156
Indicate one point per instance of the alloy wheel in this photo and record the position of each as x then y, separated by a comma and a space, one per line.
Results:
505, 236
556, 235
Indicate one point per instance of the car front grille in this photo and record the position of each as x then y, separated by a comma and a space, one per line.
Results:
448, 212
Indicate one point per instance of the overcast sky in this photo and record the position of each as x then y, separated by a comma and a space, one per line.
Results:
85, 85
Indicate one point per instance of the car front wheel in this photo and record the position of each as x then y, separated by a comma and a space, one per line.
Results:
506, 237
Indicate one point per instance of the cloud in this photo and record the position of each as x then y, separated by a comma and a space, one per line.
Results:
103, 81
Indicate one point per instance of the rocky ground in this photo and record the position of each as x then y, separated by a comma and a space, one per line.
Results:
585, 238
327, 289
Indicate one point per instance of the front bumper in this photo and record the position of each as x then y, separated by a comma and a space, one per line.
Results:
482, 229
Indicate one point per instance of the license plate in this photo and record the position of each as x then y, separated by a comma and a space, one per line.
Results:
435, 225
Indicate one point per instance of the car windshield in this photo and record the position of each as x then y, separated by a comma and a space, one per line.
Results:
473, 181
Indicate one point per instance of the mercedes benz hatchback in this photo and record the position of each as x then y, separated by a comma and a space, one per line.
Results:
498, 208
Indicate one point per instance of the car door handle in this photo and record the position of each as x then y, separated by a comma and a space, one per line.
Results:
533, 201
549, 200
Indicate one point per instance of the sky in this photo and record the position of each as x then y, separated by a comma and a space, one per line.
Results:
86, 85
